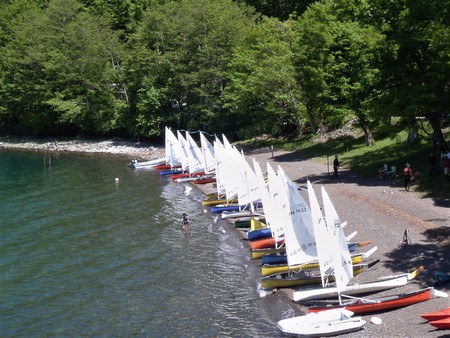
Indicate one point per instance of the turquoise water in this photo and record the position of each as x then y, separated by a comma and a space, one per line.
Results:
82, 255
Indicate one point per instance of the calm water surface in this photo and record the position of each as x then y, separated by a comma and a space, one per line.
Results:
83, 256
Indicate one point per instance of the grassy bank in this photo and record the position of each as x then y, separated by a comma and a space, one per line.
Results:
364, 161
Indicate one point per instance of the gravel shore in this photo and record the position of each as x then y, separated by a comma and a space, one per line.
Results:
379, 210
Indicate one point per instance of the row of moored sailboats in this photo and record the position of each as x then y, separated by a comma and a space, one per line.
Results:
302, 246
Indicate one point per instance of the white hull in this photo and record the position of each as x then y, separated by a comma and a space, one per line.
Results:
355, 289
325, 323
147, 164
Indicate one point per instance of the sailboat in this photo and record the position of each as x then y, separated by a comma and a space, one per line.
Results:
334, 261
383, 283
301, 240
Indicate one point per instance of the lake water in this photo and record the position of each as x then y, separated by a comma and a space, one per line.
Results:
82, 255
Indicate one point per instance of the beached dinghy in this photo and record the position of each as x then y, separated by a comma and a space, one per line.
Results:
258, 253
383, 283
147, 164
436, 315
258, 234
267, 270
377, 304
442, 324
327, 323
307, 277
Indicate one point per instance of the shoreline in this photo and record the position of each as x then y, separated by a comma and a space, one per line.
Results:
134, 150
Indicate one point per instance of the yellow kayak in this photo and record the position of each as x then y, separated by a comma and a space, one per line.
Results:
267, 270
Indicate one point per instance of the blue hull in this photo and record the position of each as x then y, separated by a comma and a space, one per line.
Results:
273, 259
260, 233
169, 172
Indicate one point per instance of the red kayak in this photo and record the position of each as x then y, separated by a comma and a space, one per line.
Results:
363, 305
443, 324
436, 315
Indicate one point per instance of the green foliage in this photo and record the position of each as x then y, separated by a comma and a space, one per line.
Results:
132, 67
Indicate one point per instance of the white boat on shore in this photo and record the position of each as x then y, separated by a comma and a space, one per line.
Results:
147, 164
322, 324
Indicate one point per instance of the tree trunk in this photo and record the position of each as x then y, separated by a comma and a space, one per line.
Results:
310, 118
438, 136
368, 135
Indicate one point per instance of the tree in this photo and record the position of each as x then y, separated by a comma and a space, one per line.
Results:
263, 96
416, 60
184, 52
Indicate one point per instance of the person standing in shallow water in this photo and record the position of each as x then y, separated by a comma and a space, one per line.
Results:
335, 166
407, 171
185, 222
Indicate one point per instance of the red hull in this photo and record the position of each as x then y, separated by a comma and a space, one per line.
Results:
384, 303
264, 243
165, 166
443, 324
174, 177
436, 315
204, 181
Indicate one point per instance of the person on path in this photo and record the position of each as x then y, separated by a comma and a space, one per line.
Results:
185, 222
335, 166
407, 171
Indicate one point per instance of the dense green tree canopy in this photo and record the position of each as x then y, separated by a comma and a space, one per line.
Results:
128, 68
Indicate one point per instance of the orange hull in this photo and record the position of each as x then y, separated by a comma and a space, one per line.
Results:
264, 243
443, 324
436, 315
381, 304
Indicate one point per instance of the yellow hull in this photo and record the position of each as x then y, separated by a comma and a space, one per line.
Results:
268, 270
258, 253
211, 202
286, 280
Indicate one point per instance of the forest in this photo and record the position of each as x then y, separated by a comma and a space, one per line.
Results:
127, 68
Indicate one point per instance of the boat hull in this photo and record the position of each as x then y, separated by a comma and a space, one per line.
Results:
355, 289
264, 243
276, 269
326, 323
259, 253
436, 315
287, 280
443, 324
380, 304
258, 234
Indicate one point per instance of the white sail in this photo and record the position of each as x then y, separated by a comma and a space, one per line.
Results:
278, 204
323, 237
174, 153
184, 147
231, 174
194, 155
248, 189
298, 229
343, 263
208, 157
218, 156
